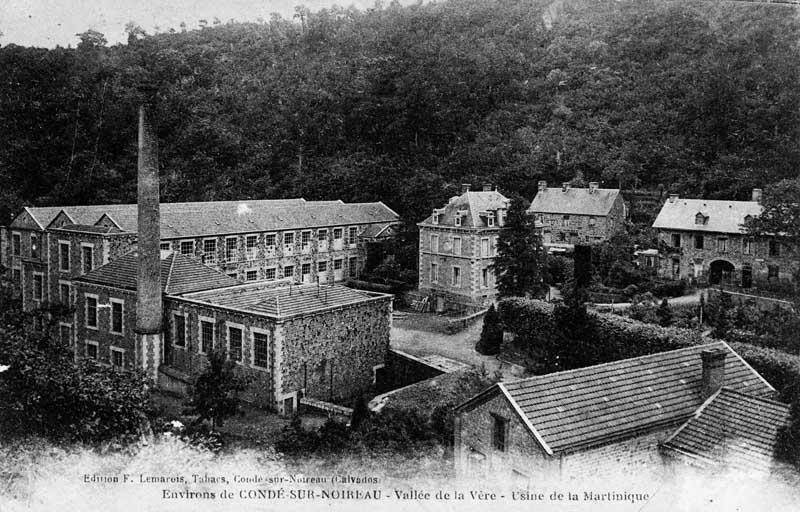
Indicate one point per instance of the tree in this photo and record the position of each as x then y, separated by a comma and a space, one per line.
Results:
664, 314
491, 333
520, 261
214, 395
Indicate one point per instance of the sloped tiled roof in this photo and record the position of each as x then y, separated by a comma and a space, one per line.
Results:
283, 301
734, 429
83, 228
469, 205
723, 216
592, 405
179, 274
574, 201
183, 220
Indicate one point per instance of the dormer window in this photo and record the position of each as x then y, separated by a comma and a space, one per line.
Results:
748, 218
700, 219
435, 218
458, 220
490, 219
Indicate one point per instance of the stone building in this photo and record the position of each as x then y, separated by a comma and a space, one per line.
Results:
295, 340
306, 241
707, 243
457, 246
607, 419
569, 215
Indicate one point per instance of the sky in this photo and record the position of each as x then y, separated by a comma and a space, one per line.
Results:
50, 23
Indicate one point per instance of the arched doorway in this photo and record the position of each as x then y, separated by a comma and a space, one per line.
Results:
720, 271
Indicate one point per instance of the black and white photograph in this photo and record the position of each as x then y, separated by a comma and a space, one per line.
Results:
406, 255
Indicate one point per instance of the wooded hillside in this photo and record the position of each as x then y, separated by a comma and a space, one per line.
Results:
402, 104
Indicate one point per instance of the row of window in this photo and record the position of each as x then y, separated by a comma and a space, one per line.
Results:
487, 247
566, 220
455, 276
65, 257
117, 312
305, 270
459, 216
234, 341
116, 355
723, 245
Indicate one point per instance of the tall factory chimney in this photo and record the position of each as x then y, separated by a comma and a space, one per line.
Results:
149, 329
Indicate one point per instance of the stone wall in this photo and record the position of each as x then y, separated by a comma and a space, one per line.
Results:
582, 229
102, 335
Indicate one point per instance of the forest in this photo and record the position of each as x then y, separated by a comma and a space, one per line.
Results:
403, 104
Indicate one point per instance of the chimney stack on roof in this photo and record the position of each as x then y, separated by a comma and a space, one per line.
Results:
565, 186
542, 186
465, 188
757, 195
487, 187
673, 198
593, 186
713, 371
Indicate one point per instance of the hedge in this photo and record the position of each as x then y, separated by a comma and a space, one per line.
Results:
616, 337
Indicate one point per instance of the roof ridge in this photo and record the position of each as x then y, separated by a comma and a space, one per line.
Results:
769, 401
169, 272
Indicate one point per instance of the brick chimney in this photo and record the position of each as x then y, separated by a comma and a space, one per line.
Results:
465, 188
487, 187
542, 186
149, 330
673, 198
757, 195
713, 371
565, 186
593, 186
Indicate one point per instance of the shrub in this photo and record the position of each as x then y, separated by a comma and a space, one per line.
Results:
664, 314
491, 334
215, 393
669, 289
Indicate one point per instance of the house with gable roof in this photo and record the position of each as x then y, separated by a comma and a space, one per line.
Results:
613, 418
570, 215
708, 244
325, 342
457, 247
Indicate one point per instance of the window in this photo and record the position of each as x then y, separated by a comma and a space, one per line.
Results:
65, 334
698, 241
305, 269
457, 246
485, 277
352, 236
322, 235
338, 264
288, 271
774, 248
233, 275
592, 221
353, 264
288, 240
230, 249
700, 219
722, 244
16, 275
63, 256
117, 357
187, 247
38, 286
565, 221
676, 239
337, 233
434, 272
499, 428
747, 246
434, 243
773, 271
116, 316
484, 247
435, 218
260, 349
34, 246
270, 273
165, 246
87, 258
269, 240
251, 245
490, 219
206, 335
16, 244
322, 266
457, 220
235, 343
251, 275
305, 239
210, 251
91, 349
456, 276
179, 334
91, 311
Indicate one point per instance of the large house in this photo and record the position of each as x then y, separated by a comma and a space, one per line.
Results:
568, 215
305, 241
633, 416
457, 246
324, 342
707, 243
